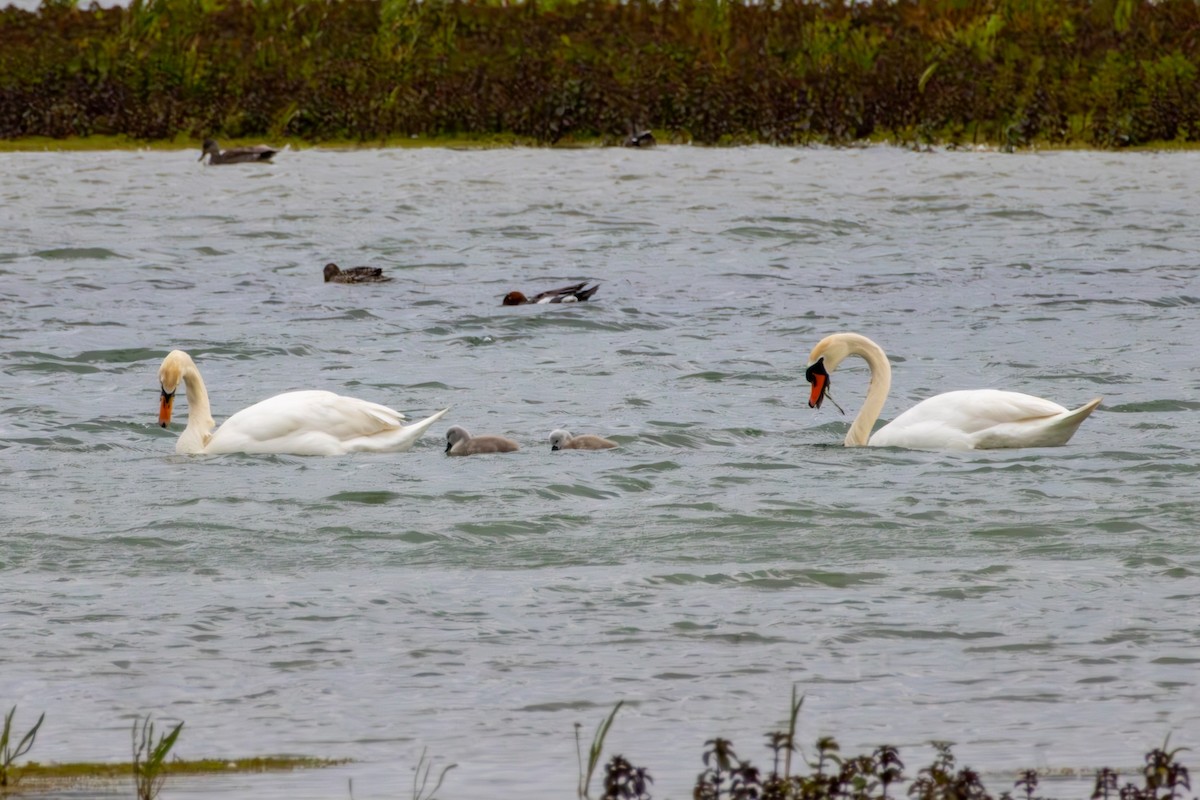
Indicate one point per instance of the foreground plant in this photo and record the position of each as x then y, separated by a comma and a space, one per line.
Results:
868, 777
10, 754
834, 776
1165, 777
149, 757
941, 781
585, 777
421, 778
622, 780
726, 775
785, 741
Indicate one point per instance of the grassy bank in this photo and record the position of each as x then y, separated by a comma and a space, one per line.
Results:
147, 772
1097, 73
33, 778
102, 143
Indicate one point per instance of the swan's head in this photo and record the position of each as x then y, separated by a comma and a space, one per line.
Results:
455, 435
823, 360
170, 374
558, 438
515, 299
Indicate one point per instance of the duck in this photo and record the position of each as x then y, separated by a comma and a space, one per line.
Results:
235, 155
334, 274
575, 293
304, 423
643, 139
971, 419
460, 442
562, 440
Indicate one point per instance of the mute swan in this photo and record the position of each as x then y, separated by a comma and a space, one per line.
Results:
312, 423
962, 420
334, 274
561, 440
575, 293
459, 442
236, 155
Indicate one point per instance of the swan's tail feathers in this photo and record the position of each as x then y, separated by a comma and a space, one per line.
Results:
399, 440
418, 428
1071, 421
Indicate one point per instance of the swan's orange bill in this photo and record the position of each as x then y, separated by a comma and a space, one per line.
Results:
818, 390
819, 378
166, 404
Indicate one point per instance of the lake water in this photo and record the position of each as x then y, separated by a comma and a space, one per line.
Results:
1038, 608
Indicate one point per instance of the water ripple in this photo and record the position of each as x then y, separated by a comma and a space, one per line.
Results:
729, 548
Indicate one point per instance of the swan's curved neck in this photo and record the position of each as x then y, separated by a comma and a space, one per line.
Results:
877, 389
200, 422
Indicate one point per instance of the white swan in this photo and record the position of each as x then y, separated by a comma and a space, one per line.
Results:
962, 420
313, 423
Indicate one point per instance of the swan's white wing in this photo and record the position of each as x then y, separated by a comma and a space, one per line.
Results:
980, 418
307, 423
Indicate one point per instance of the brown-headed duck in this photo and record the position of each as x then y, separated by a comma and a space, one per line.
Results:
575, 293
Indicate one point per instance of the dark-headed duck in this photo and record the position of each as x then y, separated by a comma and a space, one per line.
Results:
641, 139
575, 293
236, 155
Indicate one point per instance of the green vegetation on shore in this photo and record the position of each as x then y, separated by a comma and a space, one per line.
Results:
834, 776
726, 776
1098, 73
35, 777
149, 768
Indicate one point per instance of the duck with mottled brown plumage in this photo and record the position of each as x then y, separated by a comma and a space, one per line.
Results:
335, 274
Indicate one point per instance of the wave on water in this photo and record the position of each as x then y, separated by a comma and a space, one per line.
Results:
728, 549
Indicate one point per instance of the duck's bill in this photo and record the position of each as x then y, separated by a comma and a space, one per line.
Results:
165, 407
819, 378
